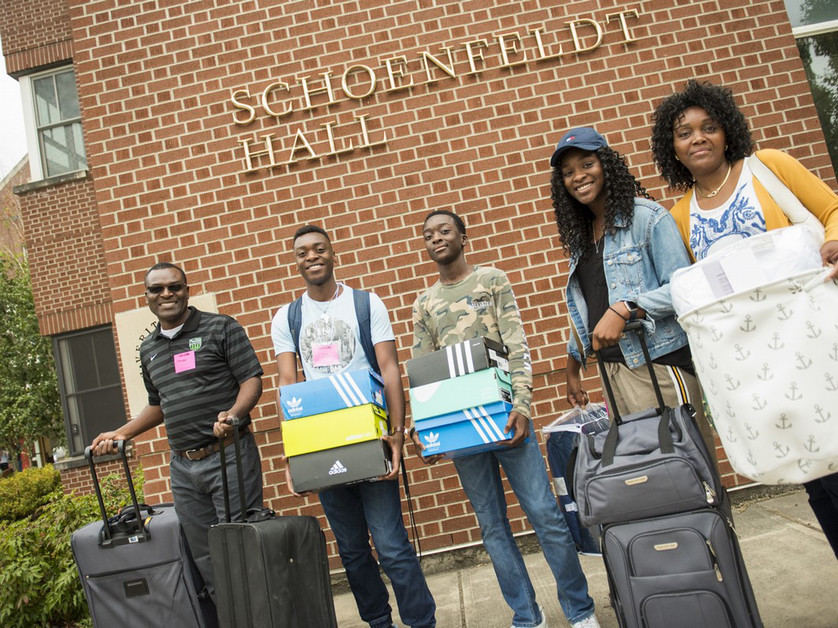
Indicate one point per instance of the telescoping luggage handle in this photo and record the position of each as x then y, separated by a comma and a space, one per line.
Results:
107, 537
225, 489
609, 448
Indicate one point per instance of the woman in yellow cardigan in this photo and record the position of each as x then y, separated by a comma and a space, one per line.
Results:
700, 142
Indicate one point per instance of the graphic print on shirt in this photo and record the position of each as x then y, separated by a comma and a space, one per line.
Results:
327, 345
716, 229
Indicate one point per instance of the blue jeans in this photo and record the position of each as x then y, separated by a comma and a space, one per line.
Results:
199, 500
524, 467
376, 506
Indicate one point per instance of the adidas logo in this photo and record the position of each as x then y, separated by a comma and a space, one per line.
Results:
294, 403
337, 468
431, 440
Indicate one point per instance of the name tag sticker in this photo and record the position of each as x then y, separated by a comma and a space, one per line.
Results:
184, 361
325, 354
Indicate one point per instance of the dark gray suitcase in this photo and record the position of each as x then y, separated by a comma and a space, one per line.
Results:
684, 569
270, 572
649, 463
136, 569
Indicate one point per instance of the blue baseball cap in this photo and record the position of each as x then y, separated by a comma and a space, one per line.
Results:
584, 137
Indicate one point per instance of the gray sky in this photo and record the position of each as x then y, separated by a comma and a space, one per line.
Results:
12, 136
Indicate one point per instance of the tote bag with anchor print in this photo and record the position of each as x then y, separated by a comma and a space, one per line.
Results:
767, 359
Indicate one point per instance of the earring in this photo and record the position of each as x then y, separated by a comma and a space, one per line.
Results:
676, 158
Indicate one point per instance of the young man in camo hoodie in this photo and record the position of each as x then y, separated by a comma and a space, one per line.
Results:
468, 302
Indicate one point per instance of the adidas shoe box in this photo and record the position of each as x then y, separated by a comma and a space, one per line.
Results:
341, 390
462, 358
467, 391
334, 429
467, 431
342, 465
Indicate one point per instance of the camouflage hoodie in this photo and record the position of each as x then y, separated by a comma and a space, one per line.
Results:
482, 305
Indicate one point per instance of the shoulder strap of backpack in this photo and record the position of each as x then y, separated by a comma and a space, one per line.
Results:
295, 323
362, 313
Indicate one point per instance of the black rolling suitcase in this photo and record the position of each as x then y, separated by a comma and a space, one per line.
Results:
136, 569
682, 570
270, 572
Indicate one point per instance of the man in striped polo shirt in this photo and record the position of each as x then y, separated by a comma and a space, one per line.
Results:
199, 370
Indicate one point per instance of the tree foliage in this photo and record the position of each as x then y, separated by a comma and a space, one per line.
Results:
29, 403
39, 582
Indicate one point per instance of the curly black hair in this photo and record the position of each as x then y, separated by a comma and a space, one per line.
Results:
716, 101
575, 220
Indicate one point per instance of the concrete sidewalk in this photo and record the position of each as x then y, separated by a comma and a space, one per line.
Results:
792, 568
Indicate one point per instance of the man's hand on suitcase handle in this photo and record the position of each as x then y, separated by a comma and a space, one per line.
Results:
105, 443
223, 428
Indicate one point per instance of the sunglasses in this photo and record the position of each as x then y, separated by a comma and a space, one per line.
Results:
172, 287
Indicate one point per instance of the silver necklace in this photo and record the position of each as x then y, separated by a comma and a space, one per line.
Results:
324, 312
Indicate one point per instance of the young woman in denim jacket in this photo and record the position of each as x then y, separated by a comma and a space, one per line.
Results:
623, 249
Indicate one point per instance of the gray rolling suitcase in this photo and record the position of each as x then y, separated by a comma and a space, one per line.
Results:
270, 572
682, 570
136, 569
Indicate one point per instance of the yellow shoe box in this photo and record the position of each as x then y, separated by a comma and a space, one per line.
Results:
334, 429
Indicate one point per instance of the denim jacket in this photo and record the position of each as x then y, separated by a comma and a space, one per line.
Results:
639, 261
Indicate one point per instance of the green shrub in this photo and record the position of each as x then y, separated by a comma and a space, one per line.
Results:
39, 583
23, 493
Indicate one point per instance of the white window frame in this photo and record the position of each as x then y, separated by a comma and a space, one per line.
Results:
37, 167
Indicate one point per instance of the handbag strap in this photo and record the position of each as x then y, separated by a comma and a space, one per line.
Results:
794, 210
665, 443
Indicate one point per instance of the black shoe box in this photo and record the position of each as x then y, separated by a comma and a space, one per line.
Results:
462, 358
328, 468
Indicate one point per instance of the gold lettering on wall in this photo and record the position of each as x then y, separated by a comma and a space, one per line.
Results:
577, 42
510, 44
285, 99
308, 92
266, 94
344, 84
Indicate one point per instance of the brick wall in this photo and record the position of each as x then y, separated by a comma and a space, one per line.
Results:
11, 224
77, 479
168, 162
36, 33
67, 264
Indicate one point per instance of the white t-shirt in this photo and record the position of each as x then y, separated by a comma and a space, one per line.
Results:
740, 217
329, 338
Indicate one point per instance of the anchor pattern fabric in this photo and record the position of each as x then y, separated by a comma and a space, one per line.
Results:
768, 362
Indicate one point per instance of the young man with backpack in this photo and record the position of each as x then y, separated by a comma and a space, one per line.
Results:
469, 302
334, 328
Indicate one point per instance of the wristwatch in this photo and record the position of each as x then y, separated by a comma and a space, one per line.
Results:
631, 306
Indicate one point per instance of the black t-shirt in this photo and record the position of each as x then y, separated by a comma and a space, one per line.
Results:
591, 274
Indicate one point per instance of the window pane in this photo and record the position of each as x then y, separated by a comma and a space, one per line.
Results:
820, 60
91, 391
81, 362
103, 410
68, 99
806, 12
46, 103
63, 149
106, 360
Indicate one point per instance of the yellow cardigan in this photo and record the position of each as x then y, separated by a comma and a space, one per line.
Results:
815, 195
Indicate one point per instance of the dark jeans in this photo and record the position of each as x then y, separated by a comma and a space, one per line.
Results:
376, 506
823, 498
